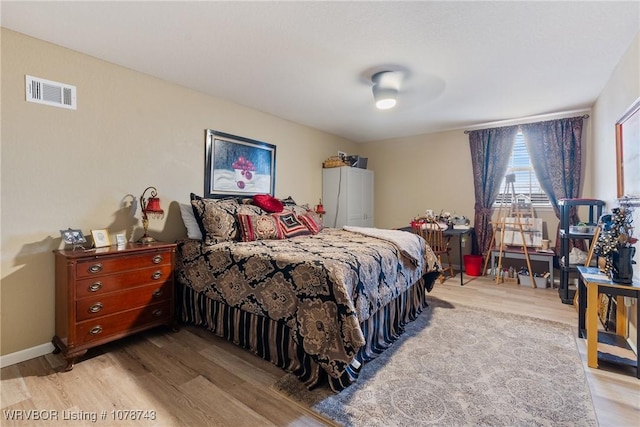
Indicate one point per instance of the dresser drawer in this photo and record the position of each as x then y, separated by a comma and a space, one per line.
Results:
110, 265
115, 282
115, 302
121, 323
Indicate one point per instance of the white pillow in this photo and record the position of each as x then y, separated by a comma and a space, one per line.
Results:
189, 219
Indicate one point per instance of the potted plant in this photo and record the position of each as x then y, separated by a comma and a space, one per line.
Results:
615, 245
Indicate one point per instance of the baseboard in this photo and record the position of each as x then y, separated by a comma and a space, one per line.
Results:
26, 354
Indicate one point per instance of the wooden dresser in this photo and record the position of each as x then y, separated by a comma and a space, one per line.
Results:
108, 293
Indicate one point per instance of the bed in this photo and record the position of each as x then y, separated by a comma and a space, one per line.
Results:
317, 302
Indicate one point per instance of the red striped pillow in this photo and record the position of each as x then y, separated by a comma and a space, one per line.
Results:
290, 225
313, 221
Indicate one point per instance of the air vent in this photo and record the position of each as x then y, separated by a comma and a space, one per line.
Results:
50, 93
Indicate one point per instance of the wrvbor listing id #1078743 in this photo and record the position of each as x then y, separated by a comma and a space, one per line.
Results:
67, 415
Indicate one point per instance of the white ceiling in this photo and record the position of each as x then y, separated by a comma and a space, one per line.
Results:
466, 63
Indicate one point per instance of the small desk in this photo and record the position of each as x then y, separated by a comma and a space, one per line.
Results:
460, 233
452, 232
517, 253
591, 282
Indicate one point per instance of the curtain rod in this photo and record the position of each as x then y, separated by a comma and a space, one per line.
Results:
504, 122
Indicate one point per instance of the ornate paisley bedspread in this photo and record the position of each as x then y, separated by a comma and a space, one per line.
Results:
321, 286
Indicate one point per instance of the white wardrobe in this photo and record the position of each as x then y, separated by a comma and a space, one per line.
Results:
347, 196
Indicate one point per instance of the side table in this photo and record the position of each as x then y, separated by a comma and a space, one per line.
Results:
591, 283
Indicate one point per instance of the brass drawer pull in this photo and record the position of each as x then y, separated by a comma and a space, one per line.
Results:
95, 268
157, 312
95, 307
157, 293
95, 287
96, 330
157, 259
157, 275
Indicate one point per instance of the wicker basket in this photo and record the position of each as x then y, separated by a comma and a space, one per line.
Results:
334, 162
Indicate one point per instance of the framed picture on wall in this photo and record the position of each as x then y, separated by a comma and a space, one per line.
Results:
628, 152
237, 166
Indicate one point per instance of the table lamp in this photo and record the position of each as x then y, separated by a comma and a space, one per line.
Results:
320, 208
150, 208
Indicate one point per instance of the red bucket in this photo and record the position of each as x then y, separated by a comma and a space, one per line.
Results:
473, 265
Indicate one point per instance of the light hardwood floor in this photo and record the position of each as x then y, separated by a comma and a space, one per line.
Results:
193, 378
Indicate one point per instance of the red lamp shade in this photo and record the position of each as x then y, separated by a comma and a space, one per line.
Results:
153, 207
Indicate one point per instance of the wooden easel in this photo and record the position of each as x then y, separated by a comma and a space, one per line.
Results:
517, 210
498, 224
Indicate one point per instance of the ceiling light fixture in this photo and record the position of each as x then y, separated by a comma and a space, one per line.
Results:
385, 88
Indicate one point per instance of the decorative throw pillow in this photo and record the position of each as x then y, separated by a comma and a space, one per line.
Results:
189, 219
258, 227
297, 209
313, 221
217, 218
215, 222
268, 203
290, 225
289, 201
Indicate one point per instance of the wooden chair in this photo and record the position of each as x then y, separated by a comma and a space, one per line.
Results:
439, 243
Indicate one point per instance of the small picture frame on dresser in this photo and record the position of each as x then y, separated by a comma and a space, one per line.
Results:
100, 238
121, 240
73, 236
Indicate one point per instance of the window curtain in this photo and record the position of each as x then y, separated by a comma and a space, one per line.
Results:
555, 148
490, 153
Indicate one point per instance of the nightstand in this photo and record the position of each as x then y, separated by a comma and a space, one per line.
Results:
108, 293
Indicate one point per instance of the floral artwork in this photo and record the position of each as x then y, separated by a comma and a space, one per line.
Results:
244, 172
238, 166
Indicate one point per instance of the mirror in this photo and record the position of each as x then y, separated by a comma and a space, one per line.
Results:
628, 152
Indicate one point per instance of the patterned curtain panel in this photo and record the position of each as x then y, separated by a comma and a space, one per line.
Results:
490, 152
555, 148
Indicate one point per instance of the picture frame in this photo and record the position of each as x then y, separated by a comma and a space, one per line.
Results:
100, 238
628, 152
73, 236
121, 239
238, 167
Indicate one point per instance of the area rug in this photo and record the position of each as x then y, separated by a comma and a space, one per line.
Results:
463, 366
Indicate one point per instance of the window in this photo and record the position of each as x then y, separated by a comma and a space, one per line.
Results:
526, 181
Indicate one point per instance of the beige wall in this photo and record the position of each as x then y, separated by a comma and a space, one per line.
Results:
434, 172
64, 168
422, 172
622, 90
